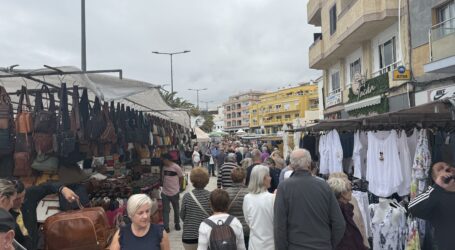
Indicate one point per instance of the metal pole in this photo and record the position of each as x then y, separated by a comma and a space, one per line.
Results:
197, 96
172, 77
83, 47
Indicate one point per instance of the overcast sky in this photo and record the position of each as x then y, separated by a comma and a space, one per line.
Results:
236, 45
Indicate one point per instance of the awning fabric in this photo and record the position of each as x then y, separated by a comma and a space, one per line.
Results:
140, 95
201, 136
363, 103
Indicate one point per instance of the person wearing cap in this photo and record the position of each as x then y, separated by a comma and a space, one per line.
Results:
6, 230
172, 178
141, 233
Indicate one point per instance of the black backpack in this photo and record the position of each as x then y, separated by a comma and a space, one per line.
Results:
222, 236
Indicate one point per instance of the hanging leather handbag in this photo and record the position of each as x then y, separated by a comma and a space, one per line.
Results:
65, 137
45, 163
6, 109
24, 143
45, 121
43, 143
75, 116
24, 118
22, 164
108, 135
142, 151
96, 125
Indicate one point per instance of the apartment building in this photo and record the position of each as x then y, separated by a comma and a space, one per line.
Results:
236, 110
363, 51
282, 107
433, 48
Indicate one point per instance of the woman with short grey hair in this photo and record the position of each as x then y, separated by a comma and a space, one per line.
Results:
258, 209
141, 233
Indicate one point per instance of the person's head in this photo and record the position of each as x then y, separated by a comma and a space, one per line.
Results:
167, 159
300, 159
219, 200
196, 148
338, 175
7, 226
264, 149
342, 189
439, 169
238, 175
199, 177
20, 193
140, 207
259, 180
7, 194
246, 162
269, 162
276, 155
256, 155
231, 157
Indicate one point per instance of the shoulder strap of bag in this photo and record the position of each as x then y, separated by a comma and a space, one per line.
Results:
24, 93
45, 89
229, 219
39, 101
199, 204
65, 119
232, 202
75, 109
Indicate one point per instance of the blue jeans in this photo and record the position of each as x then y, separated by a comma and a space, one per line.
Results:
211, 169
167, 208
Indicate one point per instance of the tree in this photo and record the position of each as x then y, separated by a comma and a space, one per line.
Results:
175, 102
207, 126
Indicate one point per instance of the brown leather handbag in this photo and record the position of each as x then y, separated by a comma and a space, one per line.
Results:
6, 109
22, 164
24, 118
45, 121
44, 143
87, 228
108, 135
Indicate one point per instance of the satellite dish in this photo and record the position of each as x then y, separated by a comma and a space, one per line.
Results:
357, 83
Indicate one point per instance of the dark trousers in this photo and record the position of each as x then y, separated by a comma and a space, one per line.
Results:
167, 208
211, 169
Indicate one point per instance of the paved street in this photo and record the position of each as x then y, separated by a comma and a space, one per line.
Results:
176, 236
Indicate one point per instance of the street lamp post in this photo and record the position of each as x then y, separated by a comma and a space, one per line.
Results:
197, 95
171, 54
207, 104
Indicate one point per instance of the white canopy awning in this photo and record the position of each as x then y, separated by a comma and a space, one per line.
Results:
139, 95
201, 136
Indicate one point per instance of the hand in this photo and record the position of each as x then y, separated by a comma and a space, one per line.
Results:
69, 195
447, 186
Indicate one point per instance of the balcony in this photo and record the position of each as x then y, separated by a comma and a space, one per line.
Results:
442, 49
316, 52
314, 12
358, 21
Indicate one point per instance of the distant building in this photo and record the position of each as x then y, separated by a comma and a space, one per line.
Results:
218, 120
275, 109
236, 110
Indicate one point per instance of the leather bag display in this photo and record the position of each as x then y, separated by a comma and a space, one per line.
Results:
6, 109
87, 228
43, 143
24, 117
96, 125
45, 163
22, 164
65, 137
45, 120
75, 116
108, 135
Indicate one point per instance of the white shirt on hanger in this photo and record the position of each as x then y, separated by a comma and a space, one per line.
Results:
406, 164
323, 155
359, 155
336, 152
383, 163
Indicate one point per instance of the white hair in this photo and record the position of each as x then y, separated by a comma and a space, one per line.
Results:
338, 186
136, 201
256, 185
300, 159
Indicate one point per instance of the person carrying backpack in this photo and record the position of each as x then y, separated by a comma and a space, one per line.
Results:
220, 231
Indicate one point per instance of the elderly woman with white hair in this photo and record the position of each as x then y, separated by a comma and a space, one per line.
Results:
141, 233
258, 209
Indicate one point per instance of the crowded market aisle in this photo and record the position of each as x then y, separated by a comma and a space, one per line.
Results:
175, 237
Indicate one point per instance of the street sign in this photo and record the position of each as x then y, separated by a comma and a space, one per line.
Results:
401, 74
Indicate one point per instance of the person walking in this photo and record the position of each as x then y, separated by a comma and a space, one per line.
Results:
219, 159
172, 179
256, 154
195, 207
196, 157
258, 210
304, 197
236, 196
224, 175
352, 239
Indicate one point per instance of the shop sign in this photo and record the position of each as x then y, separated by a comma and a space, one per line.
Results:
401, 74
333, 98
442, 93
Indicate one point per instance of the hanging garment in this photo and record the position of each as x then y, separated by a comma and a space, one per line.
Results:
362, 199
412, 142
347, 143
421, 165
406, 165
388, 226
383, 163
323, 155
331, 153
359, 154
309, 143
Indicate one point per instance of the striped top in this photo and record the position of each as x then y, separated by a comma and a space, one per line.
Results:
192, 215
236, 195
224, 175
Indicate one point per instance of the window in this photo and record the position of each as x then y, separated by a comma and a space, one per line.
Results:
229, 116
278, 117
239, 123
387, 54
333, 19
278, 106
239, 114
228, 124
355, 67
335, 83
300, 92
287, 106
287, 116
446, 13
296, 115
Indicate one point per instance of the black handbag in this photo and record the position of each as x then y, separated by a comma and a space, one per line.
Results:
65, 137
96, 124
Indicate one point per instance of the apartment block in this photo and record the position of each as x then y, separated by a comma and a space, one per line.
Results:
275, 109
236, 110
363, 50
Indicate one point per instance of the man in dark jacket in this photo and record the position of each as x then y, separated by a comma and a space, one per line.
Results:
437, 204
256, 154
307, 214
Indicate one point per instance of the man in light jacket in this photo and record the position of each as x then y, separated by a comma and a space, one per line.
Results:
307, 214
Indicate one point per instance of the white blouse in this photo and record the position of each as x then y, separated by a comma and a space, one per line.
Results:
258, 211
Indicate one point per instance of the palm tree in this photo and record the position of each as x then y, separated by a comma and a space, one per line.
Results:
175, 102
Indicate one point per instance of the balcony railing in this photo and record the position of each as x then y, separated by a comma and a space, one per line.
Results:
386, 69
441, 39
